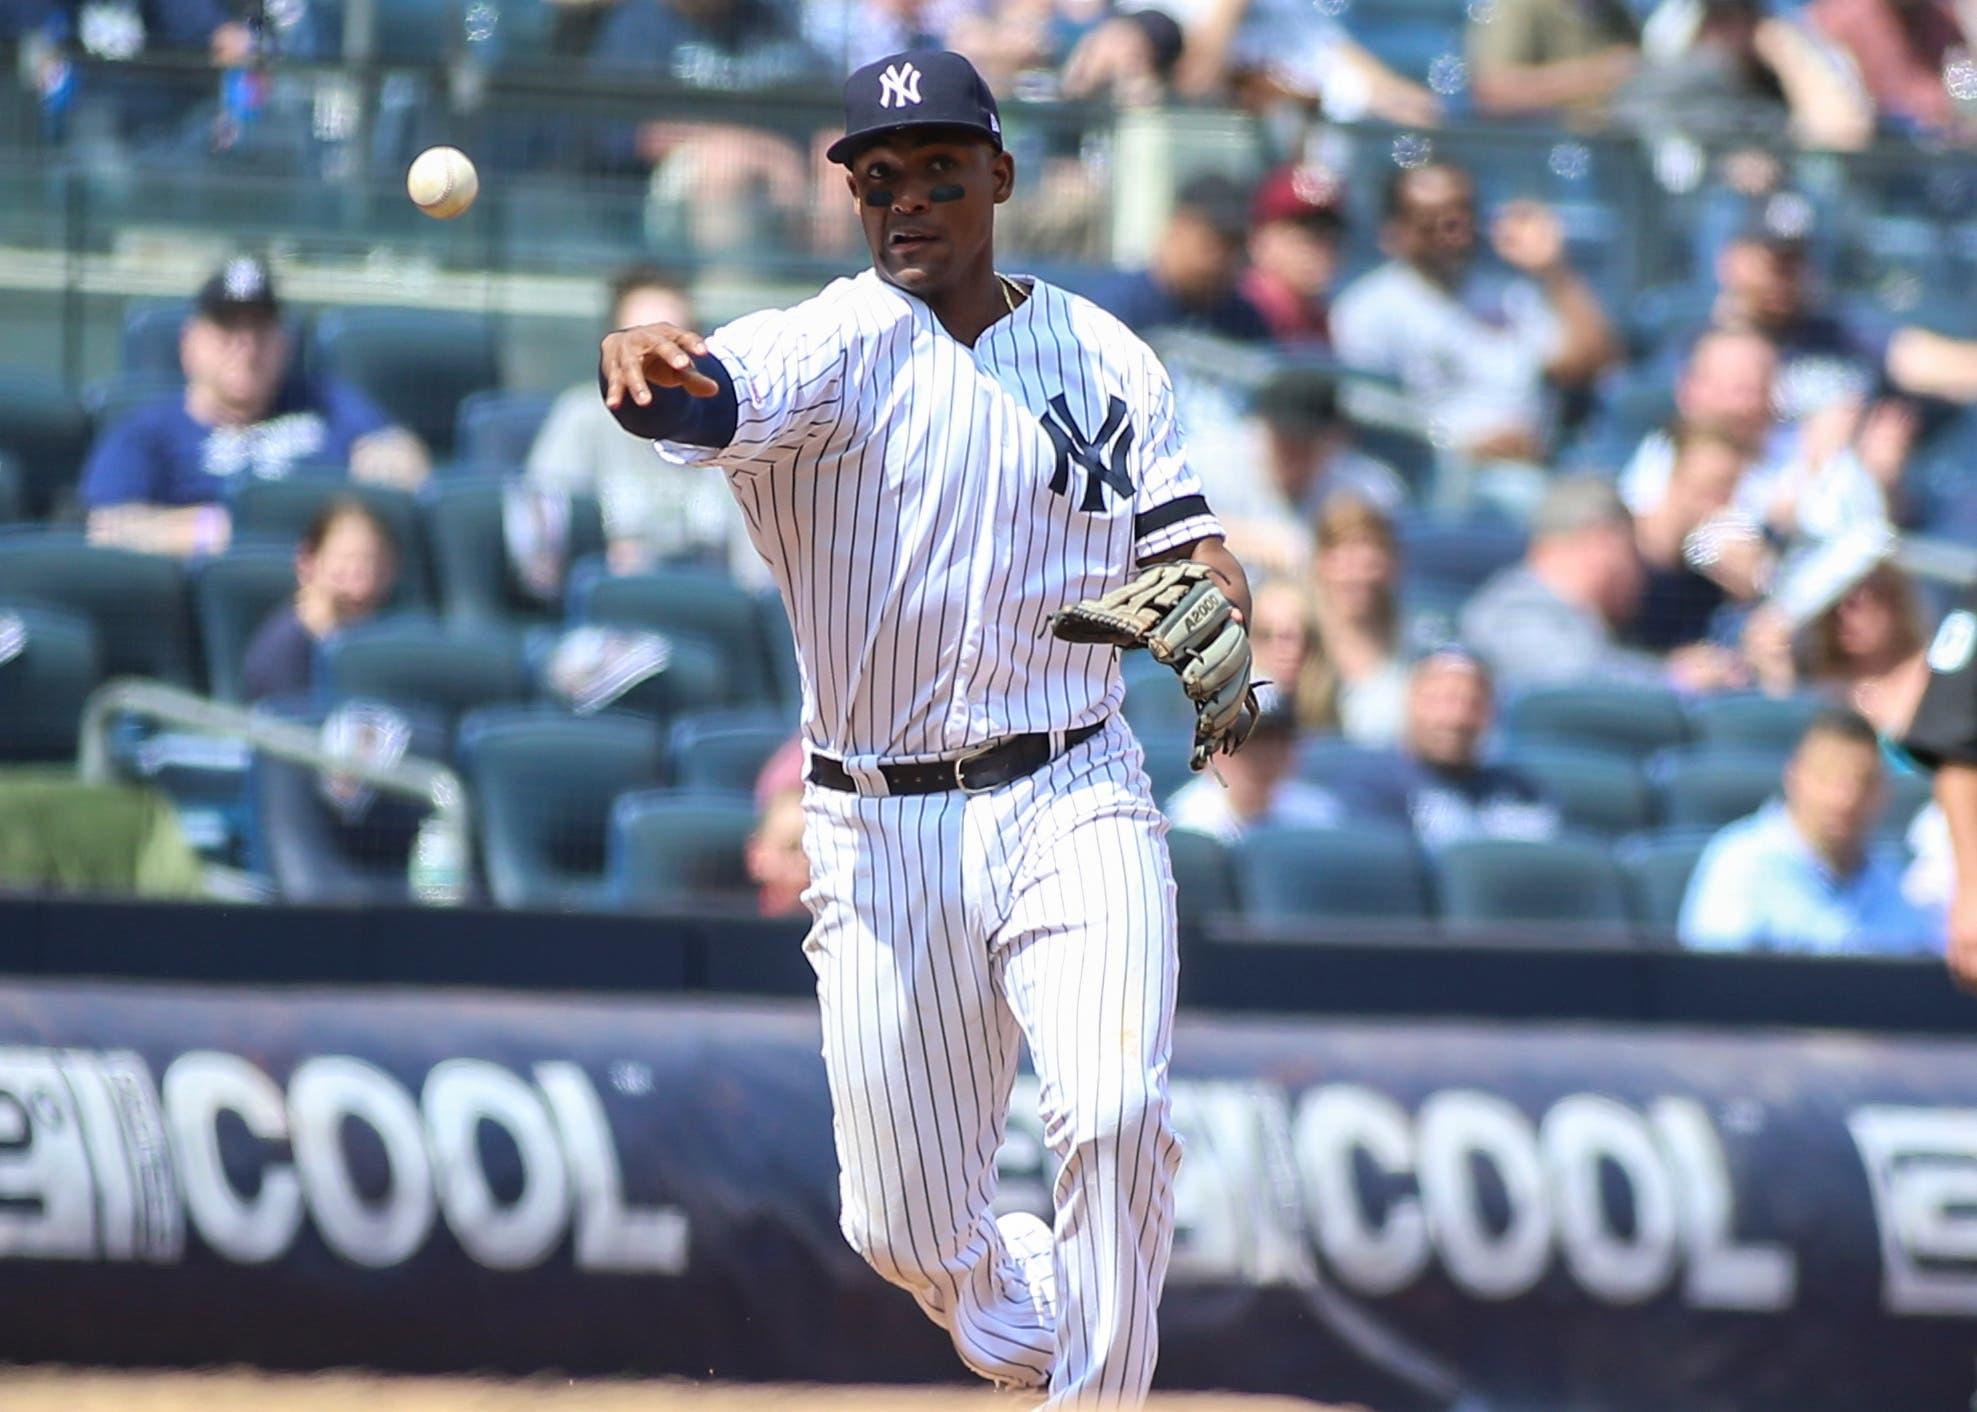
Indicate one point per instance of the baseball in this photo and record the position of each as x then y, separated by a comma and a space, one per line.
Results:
442, 182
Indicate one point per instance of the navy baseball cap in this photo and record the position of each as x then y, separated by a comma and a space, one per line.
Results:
240, 291
917, 88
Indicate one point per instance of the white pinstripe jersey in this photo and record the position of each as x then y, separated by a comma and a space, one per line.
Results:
924, 506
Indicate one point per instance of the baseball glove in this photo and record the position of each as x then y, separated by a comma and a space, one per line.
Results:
1178, 613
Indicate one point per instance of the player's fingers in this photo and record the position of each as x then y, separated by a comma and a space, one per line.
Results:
632, 368
698, 384
693, 343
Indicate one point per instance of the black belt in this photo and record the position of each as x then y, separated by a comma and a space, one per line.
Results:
973, 773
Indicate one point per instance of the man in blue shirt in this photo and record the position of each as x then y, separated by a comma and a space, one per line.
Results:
157, 480
1435, 783
1806, 874
1193, 280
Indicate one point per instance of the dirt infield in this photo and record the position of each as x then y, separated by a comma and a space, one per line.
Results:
93, 1390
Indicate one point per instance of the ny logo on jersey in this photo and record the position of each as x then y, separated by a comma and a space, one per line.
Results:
899, 85
1103, 457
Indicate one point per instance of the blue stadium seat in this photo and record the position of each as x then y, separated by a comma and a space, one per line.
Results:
1456, 554
234, 595
1750, 722
316, 853
1336, 875
1504, 884
1321, 759
692, 604
1204, 876
675, 847
280, 510
476, 583
418, 364
48, 667
1657, 868
46, 431
1624, 720
149, 344
1908, 793
497, 428
782, 648
12, 495
414, 662
724, 751
1600, 793
1154, 700
136, 603
1166, 753
1706, 789
543, 787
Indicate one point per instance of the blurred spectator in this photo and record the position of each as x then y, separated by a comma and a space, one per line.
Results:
573, 25
1479, 352
1698, 550
1556, 618
1826, 357
344, 571
1357, 576
1285, 464
1297, 230
1264, 51
654, 508
1807, 874
1435, 782
1283, 634
157, 479
1730, 68
1129, 58
775, 859
731, 183
1191, 282
1545, 56
852, 33
1843, 464
1256, 789
1906, 52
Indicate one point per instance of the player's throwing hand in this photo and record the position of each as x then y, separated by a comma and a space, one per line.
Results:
636, 360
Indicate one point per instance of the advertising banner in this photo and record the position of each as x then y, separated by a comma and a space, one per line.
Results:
1413, 1215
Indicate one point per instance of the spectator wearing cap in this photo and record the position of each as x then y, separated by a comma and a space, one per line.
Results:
1274, 475
1557, 618
1257, 789
655, 509
157, 479
1806, 874
1434, 780
1549, 56
1482, 354
850, 34
345, 568
1192, 281
1297, 226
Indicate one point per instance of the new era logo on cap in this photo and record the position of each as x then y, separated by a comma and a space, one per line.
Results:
899, 86
916, 88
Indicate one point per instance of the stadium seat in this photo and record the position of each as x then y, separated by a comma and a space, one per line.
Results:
496, 428
1321, 759
670, 847
137, 603
543, 790
724, 751
46, 432
477, 586
1456, 554
415, 662
415, 363
692, 604
317, 854
1706, 789
1166, 753
1346, 874
1635, 721
1908, 792
12, 496
1154, 700
1600, 793
280, 510
149, 345
1657, 868
1750, 722
110, 401
782, 648
48, 667
1501, 883
1204, 876
234, 594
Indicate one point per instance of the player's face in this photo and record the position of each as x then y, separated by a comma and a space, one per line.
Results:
927, 203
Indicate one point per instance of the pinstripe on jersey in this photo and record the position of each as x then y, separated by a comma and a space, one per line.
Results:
898, 484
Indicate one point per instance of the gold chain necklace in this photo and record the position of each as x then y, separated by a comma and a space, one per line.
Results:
1008, 285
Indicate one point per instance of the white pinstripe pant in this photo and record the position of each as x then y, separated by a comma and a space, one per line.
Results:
947, 928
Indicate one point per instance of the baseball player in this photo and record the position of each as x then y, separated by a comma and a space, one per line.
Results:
935, 459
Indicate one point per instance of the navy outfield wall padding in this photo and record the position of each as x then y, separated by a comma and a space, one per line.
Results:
1410, 1214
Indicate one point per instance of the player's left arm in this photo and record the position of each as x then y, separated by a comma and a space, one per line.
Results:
1221, 564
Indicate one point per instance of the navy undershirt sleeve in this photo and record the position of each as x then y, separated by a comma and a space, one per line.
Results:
675, 415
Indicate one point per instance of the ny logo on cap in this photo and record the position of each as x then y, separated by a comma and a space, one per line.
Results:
899, 85
244, 279
1102, 458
